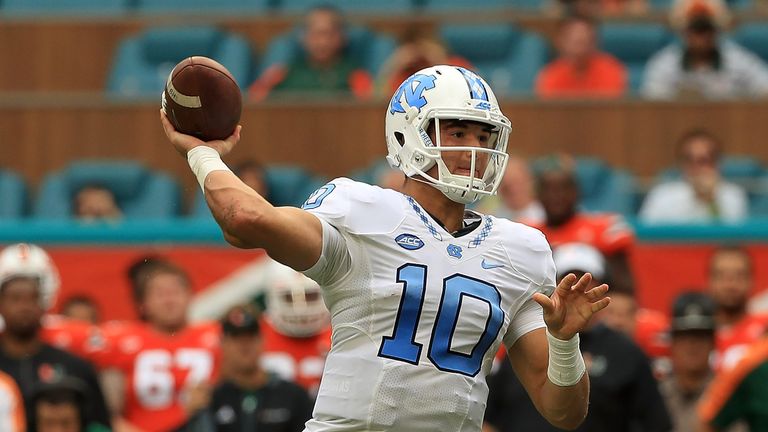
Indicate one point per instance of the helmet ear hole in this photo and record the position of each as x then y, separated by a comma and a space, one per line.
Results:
400, 138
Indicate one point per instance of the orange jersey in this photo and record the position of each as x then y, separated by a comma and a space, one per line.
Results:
733, 342
300, 360
158, 368
80, 338
608, 233
12, 418
603, 77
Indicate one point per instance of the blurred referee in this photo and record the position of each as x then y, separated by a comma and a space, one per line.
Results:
249, 398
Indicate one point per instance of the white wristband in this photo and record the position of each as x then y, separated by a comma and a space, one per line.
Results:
203, 160
566, 365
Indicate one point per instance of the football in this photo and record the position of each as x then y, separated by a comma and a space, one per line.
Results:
202, 99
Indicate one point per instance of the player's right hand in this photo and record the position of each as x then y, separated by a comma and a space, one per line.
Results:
184, 143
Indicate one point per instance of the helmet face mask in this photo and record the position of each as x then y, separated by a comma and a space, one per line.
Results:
295, 305
434, 96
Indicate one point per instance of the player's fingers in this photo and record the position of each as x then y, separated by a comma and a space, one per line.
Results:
545, 302
600, 304
566, 283
597, 292
583, 283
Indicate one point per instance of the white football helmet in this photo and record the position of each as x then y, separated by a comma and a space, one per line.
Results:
442, 93
28, 260
295, 303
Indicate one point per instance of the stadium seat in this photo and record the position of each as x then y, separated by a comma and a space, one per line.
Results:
372, 49
377, 6
754, 37
143, 62
13, 195
64, 7
287, 185
480, 5
507, 57
201, 6
140, 193
634, 44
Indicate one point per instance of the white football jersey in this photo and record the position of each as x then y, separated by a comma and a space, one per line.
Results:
417, 314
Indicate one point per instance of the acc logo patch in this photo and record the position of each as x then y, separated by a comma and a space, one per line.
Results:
409, 241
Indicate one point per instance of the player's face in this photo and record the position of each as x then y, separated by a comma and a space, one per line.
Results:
620, 314
166, 300
57, 417
459, 133
20, 307
241, 353
730, 280
558, 195
689, 351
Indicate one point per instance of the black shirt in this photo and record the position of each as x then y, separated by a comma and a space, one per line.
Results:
624, 394
49, 364
279, 406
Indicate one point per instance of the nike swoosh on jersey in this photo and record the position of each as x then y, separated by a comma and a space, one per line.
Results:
490, 264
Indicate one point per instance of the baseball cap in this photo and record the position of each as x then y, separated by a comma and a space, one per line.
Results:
240, 320
579, 257
693, 311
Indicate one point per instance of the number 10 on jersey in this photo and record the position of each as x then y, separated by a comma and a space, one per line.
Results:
402, 345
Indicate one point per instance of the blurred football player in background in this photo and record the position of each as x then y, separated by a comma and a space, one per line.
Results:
80, 308
421, 293
296, 328
153, 369
28, 286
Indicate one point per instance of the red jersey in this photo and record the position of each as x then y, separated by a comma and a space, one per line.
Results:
300, 360
158, 368
608, 233
732, 342
603, 77
78, 337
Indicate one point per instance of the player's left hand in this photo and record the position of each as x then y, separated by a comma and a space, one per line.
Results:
568, 310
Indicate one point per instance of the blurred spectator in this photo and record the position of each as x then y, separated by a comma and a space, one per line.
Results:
516, 199
324, 68
692, 343
594, 9
701, 195
81, 308
249, 398
94, 202
704, 64
28, 283
390, 178
296, 329
252, 173
158, 369
623, 392
415, 52
61, 406
12, 418
739, 394
581, 69
731, 278
558, 192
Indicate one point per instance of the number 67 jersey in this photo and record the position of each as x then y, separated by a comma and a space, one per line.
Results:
417, 313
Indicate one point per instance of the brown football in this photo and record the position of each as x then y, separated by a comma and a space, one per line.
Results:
201, 98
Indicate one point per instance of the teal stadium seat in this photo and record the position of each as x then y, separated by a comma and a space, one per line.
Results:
201, 6
754, 37
377, 6
371, 48
506, 56
142, 62
65, 7
481, 5
287, 186
634, 44
13, 195
140, 193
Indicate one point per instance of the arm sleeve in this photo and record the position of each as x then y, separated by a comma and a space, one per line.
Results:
529, 317
335, 259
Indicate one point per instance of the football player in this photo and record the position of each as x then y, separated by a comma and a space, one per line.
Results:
296, 328
151, 367
421, 291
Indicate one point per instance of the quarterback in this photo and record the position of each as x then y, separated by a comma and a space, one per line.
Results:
421, 291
